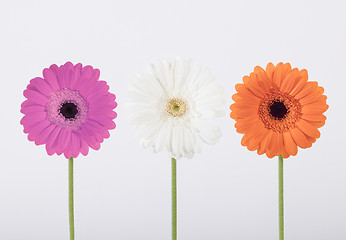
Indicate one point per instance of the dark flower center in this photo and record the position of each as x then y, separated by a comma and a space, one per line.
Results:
278, 110
69, 110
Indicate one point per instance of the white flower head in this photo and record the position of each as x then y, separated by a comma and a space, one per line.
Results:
173, 105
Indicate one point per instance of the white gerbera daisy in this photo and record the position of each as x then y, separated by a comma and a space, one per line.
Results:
172, 107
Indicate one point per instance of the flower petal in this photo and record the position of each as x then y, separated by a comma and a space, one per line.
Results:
51, 78
307, 128
37, 129
43, 136
290, 145
51, 141
36, 97
42, 86
299, 138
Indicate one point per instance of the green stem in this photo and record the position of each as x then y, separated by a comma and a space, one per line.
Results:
174, 199
70, 197
281, 198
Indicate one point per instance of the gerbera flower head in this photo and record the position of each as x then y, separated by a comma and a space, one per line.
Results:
68, 109
278, 110
172, 107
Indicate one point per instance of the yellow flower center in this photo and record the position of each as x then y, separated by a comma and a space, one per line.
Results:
176, 107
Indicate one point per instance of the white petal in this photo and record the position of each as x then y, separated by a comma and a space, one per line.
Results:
207, 130
162, 137
189, 142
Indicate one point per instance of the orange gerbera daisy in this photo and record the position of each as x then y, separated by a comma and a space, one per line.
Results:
278, 109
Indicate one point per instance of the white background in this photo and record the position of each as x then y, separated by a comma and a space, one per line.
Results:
123, 191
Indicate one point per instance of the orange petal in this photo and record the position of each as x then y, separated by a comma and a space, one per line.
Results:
308, 89
307, 129
318, 124
233, 116
280, 144
263, 80
301, 80
235, 97
253, 86
321, 101
299, 138
244, 140
270, 70
263, 144
285, 154
258, 69
277, 77
287, 69
272, 145
290, 145
245, 112
256, 139
311, 109
246, 102
314, 117
243, 106
245, 92
311, 140
313, 97
245, 125
289, 81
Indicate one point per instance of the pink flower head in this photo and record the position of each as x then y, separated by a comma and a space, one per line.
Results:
68, 109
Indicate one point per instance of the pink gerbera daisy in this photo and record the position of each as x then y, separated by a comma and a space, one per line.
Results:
68, 109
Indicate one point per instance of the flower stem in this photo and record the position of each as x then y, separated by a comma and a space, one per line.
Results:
174, 199
70, 197
281, 198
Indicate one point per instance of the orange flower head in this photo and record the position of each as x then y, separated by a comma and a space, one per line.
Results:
278, 109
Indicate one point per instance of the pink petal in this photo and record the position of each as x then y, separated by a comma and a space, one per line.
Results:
104, 131
78, 66
32, 109
107, 112
51, 78
54, 68
105, 101
32, 119
84, 148
96, 146
88, 79
37, 129
36, 97
42, 138
104, 121
86, 136
113, 115
67, 154
31, 87
64, 139
27, 103
75, 144
76, 76
51, 141
100, 89
84, 87
97, 133
65, 75
85, 133
42, 86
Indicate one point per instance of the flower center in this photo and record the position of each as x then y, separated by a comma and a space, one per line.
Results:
279, 111
69, 110
176, 107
